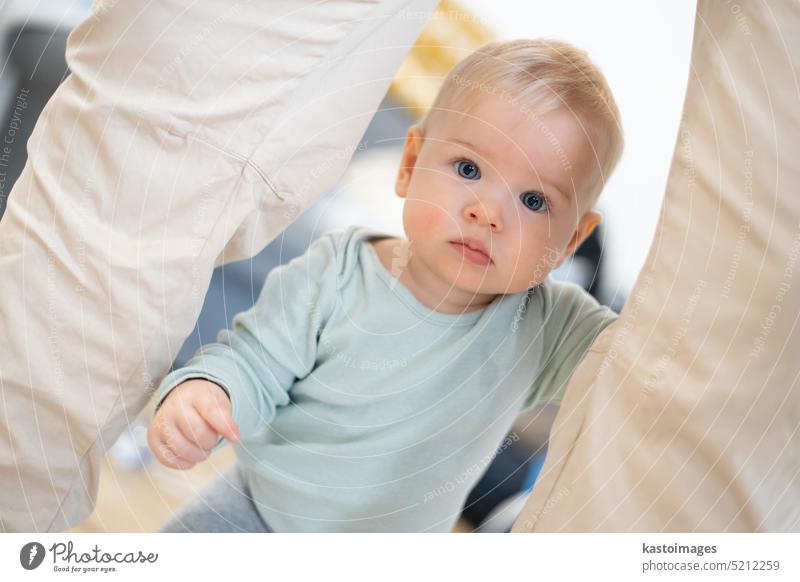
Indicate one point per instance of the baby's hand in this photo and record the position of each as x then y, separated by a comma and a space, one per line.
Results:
189, 422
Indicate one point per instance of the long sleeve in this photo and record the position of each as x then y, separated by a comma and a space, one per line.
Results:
572, 321
273, 343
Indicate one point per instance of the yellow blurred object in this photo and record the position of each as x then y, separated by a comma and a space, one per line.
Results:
450, 35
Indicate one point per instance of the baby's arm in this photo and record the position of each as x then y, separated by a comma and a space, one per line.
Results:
234, 386
189, 422
573, 319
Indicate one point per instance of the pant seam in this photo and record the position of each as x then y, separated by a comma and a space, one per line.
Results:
238, 157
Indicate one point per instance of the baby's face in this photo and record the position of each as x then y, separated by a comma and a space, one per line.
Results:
495, 199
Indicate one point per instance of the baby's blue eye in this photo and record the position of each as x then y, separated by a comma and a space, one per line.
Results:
467, 169
534, 201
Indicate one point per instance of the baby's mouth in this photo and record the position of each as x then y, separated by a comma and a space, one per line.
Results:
472, 250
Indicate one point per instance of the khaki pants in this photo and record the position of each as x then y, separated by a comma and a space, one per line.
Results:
685, 415
187, 135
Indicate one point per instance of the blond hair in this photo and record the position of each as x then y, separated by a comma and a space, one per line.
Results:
545, 75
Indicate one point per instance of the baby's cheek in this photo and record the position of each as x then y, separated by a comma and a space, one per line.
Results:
435, 217
428, 217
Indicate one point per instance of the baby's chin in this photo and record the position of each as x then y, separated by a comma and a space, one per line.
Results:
507, 287
489, 284
490, 280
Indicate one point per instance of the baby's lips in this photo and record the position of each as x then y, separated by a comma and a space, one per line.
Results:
474, 244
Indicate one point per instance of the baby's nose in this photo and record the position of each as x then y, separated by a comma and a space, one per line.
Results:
484, 213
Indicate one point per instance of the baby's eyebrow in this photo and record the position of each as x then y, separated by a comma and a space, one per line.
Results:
559, 192
464, 143
485, 151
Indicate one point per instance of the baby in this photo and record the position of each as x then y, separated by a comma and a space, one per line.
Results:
375, 377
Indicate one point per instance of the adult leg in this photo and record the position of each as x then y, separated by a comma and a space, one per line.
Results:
685, 414
187, 135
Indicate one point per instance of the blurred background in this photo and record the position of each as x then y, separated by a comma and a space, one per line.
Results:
643, 48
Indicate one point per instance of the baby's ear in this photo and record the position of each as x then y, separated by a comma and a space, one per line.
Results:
590, 220
408, 161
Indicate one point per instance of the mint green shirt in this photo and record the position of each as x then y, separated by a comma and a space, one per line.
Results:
360, 409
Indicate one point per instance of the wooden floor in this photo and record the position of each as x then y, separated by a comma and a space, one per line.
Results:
143, 500
140, 501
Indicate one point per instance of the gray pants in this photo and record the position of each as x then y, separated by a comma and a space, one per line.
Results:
224, 506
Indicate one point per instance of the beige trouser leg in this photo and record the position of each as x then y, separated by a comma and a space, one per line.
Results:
685, 415
187, 135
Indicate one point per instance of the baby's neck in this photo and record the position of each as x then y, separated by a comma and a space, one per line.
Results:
429, 289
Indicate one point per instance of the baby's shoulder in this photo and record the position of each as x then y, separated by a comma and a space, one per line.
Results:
387, 249
345, 248
551, 301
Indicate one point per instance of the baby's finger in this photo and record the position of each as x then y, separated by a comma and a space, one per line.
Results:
165, 455
175, 463
196, 430
218, 418
183, 447
170, 446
